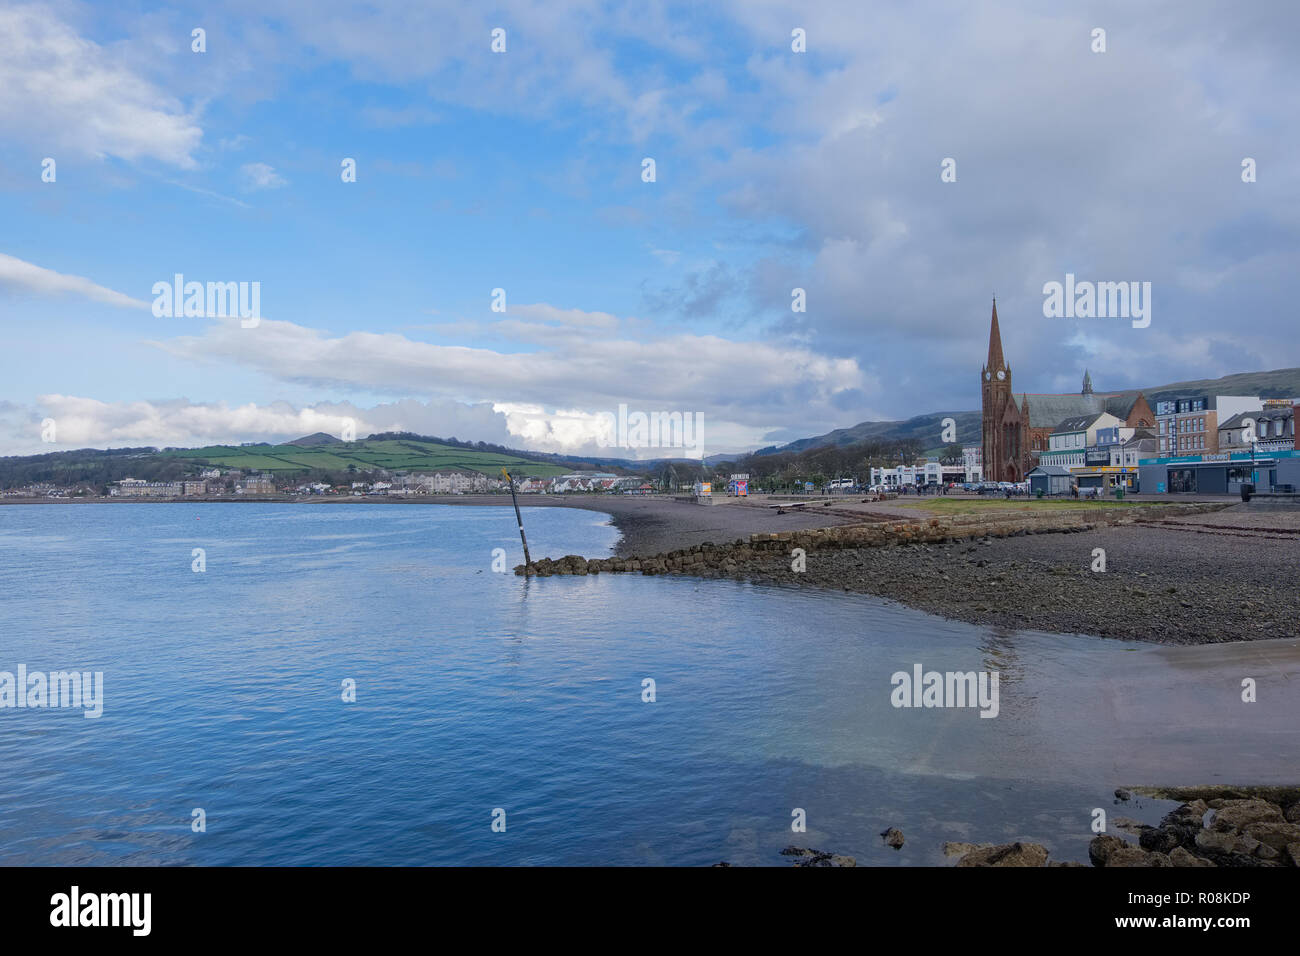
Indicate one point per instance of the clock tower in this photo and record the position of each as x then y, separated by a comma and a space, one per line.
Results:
1003, 425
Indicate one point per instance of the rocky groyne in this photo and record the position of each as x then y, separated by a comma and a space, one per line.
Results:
723, 558
1120, 572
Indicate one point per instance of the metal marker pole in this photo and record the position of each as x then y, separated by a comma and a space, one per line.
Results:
527, 560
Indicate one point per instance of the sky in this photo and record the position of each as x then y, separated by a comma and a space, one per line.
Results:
524, 171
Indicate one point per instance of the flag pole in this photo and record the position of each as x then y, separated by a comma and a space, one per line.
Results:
527, 560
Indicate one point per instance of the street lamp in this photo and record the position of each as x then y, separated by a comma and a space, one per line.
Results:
1254, 478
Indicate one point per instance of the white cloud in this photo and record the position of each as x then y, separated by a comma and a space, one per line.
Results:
82, 422
20, 275
261, 176
588, 362
61, 92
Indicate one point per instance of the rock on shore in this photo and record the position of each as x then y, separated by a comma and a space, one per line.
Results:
1244, 829
1215, 827
807, 857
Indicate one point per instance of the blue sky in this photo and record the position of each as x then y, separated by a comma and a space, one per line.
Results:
522, 171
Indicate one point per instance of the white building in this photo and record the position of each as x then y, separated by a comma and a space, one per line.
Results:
584, 481
972, 459
925, 473
1068, 444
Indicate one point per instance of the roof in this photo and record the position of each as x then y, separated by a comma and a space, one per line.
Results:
1053, 470
1078, 423
1260, 415
995, 360
1045, 411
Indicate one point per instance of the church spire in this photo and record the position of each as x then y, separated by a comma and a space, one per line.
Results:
995, 342
1087, 383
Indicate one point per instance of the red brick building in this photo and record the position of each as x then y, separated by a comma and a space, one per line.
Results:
1014, 434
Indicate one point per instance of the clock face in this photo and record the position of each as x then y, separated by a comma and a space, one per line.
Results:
987, 376
1001, 375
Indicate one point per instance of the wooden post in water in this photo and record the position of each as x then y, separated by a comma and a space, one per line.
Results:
528, 562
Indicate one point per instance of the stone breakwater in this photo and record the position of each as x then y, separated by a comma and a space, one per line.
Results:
724, 558
1027, 570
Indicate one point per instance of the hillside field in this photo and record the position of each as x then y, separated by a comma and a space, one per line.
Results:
398, 455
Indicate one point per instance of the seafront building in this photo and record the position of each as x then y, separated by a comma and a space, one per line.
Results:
1190, 425
255, 485
930, 472
1195, 443
1273, 426
1074, 440
1222, 473
1270, 461
583, 481
1017, 433
139, 488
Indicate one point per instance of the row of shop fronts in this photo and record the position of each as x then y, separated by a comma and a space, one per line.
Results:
1221, 474
1100, 480
1213, 474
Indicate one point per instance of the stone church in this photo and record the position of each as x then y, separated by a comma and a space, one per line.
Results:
1015, 434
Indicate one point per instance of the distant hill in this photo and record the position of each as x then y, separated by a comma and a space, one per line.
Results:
925, 428
319, 438
1279, 383
320, 455
334, 459
394, 454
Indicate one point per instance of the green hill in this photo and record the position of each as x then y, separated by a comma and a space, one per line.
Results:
392, 454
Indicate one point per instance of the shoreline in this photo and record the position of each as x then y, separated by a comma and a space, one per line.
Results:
646, 524
1213, 574
1218, 577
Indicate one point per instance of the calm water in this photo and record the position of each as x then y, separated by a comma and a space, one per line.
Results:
478, 690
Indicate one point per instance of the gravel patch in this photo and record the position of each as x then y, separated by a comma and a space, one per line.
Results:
1160, 584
